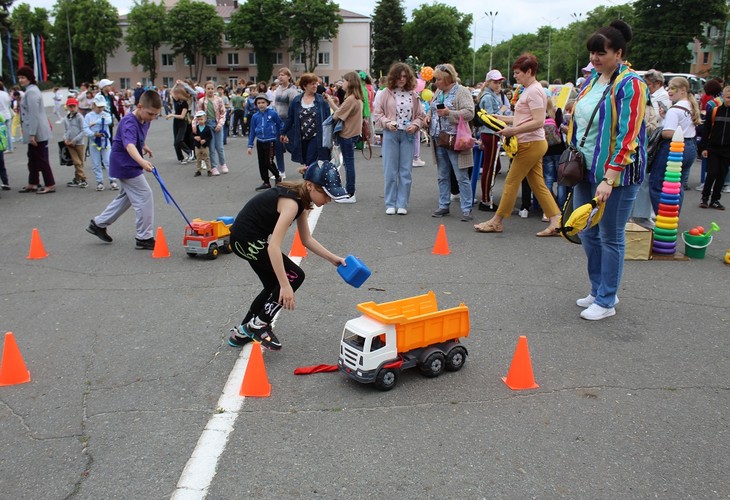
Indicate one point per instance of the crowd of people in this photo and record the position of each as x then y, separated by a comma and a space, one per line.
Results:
622, 124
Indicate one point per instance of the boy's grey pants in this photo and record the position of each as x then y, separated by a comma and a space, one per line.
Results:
135, 193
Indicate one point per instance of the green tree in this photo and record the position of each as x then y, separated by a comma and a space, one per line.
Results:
5, 13
146, 32
263, 25
389, 19
195, 30
439, 33
93, 27
664, 29
310, 22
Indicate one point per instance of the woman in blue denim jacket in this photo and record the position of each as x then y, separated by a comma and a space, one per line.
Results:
302, 131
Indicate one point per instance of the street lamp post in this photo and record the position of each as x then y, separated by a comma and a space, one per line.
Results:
577, 16
491, 15
550, 33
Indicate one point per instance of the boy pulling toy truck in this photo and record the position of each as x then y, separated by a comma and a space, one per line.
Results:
398, 335
208, 237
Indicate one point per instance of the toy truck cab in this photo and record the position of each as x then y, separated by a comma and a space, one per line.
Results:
398, 335
208, 237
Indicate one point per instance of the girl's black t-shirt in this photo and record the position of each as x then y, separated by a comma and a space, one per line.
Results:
178, 106
257, 219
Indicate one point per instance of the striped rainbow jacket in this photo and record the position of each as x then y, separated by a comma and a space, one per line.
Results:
622, 137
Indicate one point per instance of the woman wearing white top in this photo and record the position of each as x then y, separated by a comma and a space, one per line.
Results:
685, 114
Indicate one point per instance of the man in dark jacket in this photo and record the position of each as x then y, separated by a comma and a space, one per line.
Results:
715, 147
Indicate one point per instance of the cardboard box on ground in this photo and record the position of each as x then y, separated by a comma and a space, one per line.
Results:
639, 241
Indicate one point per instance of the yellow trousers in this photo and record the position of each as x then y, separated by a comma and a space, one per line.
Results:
527, 163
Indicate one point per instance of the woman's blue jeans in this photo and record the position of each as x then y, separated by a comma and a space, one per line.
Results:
347, 146
447, 161
658, 168
605, 243
398, 147
550, 173
217, 156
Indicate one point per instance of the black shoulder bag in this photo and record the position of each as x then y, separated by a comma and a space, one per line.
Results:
572, 165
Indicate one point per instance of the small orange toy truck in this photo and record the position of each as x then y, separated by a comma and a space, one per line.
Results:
208, 237
398, 335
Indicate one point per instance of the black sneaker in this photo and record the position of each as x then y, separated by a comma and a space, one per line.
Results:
238, 339
263, 186
717, 205
703, 203
148, 244
100, 232
263, 335
73, 183
440, 212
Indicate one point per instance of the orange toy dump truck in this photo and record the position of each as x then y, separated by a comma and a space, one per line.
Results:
208, 238
394, 336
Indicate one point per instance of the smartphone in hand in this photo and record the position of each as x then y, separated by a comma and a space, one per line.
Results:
440, 106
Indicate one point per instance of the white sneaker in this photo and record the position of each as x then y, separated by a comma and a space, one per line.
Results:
282, 175
590, 299
390, 211
700, 187
417, 162
402, 211
523, 213
594, 312
351, 199
726, 188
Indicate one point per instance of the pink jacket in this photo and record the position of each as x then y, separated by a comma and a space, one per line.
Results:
220, 109
385, 111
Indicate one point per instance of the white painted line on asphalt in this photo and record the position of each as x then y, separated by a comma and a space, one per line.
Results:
201, 468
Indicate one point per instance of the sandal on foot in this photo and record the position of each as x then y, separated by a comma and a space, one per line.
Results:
46, 190
488, 227
28, 189
548, 231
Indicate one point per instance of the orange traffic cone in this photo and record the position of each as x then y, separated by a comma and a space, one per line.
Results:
297, 248
12, 366
441, 247
520, 371
37, 251
161, 251
255, 381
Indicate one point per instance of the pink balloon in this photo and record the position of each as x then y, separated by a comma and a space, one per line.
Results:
420, 85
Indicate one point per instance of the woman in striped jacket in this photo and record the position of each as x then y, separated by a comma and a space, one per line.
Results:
615, 156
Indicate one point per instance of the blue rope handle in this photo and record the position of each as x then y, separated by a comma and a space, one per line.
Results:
168, 196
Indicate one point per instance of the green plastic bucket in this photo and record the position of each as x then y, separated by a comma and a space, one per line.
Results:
695, 246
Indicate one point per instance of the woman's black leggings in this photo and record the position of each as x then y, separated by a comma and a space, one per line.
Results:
266, 305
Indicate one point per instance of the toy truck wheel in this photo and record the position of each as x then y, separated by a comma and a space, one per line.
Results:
386, 379
213, 251
226, 248
455, 359
434, 365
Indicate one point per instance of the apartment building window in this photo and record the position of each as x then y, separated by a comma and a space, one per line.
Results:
252, 58
211, 60
168, 81
233, 59
212, 78
323, 58
299, 59
233, 82
279, 58
168, 60
186, 61
124, 83
705, 57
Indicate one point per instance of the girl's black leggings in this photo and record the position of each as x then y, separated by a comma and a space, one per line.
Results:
266, 305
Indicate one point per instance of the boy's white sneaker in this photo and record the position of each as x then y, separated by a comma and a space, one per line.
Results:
390, 211
594, 312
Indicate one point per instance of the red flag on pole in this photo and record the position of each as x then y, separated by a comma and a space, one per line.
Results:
43, 59
21, 59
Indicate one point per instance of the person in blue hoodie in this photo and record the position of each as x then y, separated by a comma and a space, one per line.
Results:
266, 126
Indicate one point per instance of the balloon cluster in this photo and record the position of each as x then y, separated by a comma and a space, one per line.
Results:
424, 76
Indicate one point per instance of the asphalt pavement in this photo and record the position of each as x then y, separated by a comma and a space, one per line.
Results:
128, 356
